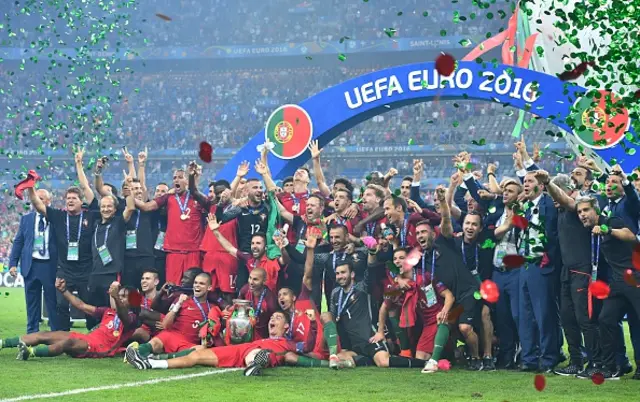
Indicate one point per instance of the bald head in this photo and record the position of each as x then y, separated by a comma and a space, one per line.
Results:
257, 279
44, 196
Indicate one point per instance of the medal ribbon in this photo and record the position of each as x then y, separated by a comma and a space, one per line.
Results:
341, 305
464, 260
433, 267
296, 200
79, 228
116, 323
371, 228
595, 258
183, 207
204, 316
258, 308
403, 232
335, 260
289, 333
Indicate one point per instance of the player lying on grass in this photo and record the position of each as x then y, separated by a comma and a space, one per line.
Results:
183, 322
116, 326
254, 356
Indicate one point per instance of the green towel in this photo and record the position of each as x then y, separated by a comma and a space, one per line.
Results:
273, 251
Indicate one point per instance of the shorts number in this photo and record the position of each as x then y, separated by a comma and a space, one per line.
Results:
195, 324
255, 229
232, 281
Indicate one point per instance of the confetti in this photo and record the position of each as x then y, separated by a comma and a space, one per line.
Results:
444, 365
539, 382
575, 73
309, 58
410, 142
597, 378
489, 291
599, 289
445, 64
205, 152
369, 242
413, 258
477, 295
342, 57
488, 243
163, 17
479, 143
520, 222
513, 261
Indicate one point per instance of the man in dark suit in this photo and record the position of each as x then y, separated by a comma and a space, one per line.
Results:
539, 333
35, 248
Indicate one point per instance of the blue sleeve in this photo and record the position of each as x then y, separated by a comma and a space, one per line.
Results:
458, 199
632, 204
533, 168
473, 186
18, 243
415, 196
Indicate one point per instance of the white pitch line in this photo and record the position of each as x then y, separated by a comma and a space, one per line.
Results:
118, 386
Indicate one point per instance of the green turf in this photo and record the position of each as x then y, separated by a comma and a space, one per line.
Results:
38, 376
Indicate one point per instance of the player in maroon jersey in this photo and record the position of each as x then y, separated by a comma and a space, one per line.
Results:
184, 226
152, 320
267, 352
182, 322
263, 301
116, 326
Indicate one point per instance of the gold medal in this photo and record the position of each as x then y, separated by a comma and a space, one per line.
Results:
116, 333
184, 217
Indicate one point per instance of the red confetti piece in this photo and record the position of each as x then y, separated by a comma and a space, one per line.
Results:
205, 152
135, 298
629, 279
576, 72
445, 64
637, 94
597, 378
599, 289
539, 382
513, 261
520, 222
489, 291
635, 257
29, 182
163, 17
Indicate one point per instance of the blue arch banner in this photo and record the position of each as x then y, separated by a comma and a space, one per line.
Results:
339, 108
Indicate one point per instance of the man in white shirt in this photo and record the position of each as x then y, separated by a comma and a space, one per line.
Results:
35, 248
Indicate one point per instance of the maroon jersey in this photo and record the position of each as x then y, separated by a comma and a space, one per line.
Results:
188, 319
182, 235
263, 309
111, 329
305, 327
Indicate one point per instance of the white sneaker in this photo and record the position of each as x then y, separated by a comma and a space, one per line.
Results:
334, 362
430, 367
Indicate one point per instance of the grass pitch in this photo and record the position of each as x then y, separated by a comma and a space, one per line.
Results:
111, 379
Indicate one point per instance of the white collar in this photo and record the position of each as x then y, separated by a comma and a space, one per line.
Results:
536, 201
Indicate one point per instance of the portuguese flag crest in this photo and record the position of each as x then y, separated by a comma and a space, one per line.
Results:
290, 129
596, 128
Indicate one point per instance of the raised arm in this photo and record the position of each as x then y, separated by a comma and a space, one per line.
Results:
317, 169
454, 182
418, 169
196, 194
506, 225
555, 192
130, 202
170, 318
142, 161
98, 182
242, 171
82, 177
214, 226
263, 169
286, 215
308, 262
121, 309
146, 206
494, 186
61, 285
130, 165
36, 201
446, 228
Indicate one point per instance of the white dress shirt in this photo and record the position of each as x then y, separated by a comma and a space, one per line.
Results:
45, 235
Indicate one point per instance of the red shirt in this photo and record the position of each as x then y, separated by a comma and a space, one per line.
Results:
290, 201
182, 235
304, 314
112, 334
268, 306
272, 267
228, 229
373, 228
188, 319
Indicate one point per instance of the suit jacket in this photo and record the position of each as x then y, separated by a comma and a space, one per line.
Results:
22, 249
549, 215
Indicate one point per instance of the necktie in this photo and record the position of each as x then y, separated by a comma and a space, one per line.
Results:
41, 228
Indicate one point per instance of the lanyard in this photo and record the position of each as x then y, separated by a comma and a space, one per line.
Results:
183, 207
116, 322
341, 305
145, 302
296, 200
341, 221
403, 232
289, 334
595, 255
433, 267
303, 228
464, 259
138, 220
371, 228
106, 235
258, 308
335, 258
79, 228
204, 316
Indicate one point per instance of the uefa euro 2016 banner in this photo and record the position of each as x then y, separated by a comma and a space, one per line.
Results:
282, 49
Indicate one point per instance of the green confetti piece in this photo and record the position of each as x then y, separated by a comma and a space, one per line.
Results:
492, 209
390, 32
342, 57
399, 13
488, 243
425, 14
604, 228
410, 142
477, 295
443, 32
480, 143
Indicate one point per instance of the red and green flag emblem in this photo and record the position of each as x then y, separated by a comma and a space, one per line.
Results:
290, 129
597, 122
